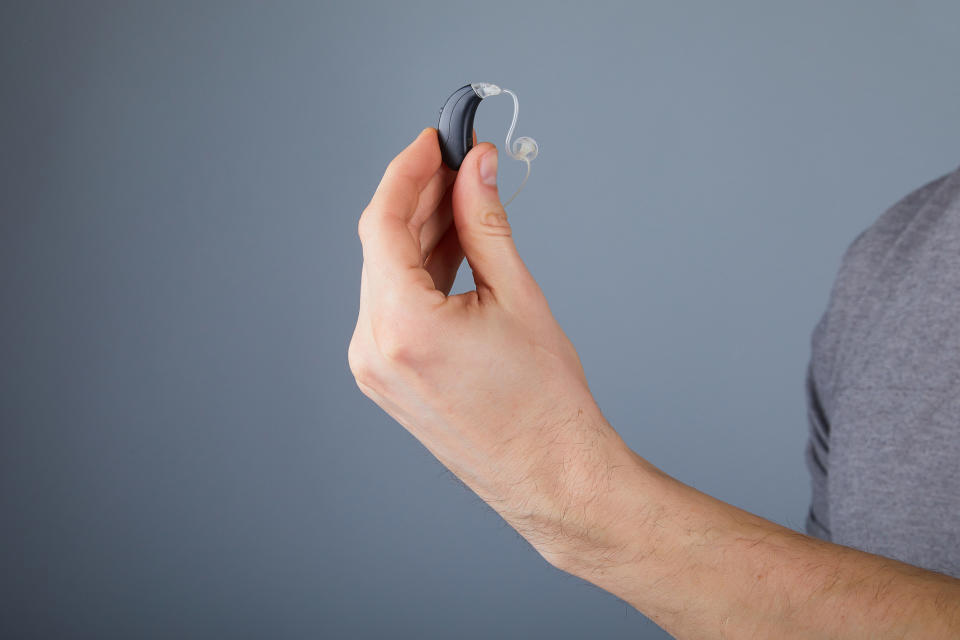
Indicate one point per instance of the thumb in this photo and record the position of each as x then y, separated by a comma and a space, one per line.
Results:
483, 228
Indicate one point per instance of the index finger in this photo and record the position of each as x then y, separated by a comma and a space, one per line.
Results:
390, 251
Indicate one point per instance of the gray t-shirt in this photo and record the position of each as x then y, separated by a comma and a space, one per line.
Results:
883, 387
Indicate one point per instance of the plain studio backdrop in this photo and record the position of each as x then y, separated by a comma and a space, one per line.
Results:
184, 452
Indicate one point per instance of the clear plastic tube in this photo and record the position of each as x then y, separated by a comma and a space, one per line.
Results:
523, 148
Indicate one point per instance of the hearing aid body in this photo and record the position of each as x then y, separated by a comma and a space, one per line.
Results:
455, 128
456, 125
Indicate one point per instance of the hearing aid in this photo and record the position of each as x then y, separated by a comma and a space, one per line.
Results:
455, 128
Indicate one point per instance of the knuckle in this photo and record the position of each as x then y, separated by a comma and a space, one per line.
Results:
360, 365
363, 225
402, 343
395, 171
393, 165
395, 347
494, 222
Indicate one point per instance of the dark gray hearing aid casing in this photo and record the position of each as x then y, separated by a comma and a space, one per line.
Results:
456, 125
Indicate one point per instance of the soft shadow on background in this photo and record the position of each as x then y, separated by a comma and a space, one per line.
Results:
183, 450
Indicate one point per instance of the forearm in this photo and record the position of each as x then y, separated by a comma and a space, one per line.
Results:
702, 568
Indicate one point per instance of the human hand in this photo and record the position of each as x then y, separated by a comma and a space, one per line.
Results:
485, 380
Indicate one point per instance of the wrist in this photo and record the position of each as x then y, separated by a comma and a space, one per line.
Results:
616, 524
593, 505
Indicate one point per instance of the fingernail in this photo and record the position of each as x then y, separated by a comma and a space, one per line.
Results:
488, 168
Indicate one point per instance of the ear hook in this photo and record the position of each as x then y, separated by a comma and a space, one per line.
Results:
456, 126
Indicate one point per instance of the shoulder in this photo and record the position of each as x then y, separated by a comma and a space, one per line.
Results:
887, 265
873, 244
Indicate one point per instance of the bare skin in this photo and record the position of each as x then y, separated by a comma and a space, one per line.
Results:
490, 384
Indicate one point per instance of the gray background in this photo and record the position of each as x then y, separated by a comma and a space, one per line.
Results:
183, 450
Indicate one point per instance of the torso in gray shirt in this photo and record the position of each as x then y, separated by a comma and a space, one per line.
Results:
883, 387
